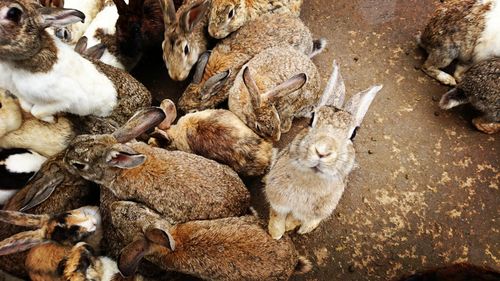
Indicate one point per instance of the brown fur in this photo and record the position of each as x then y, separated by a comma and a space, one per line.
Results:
43, 60
43, 260
234, 51
236, 248
453, 33
219, 135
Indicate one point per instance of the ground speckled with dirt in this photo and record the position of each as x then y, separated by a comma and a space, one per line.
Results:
426, 189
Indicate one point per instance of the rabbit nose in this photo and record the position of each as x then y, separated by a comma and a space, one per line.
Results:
322, 151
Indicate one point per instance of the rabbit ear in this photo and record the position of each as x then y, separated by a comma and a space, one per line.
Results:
136, 5
252, 88
200, 67
121, 6
160, 237
291, 85
124, 157
43, 193
23, 219
214, 84
194, 15
140, 123
168, 9
81, 45
358, 105
21, 242
131, 256
335, 88
59, 17
168, 107
96, 52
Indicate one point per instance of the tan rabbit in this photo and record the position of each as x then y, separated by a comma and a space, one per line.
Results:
53, 237
227, 16
307, 179
216, 71
216, 134
464, 30
185, 35
236, 248
275, 86
480, 86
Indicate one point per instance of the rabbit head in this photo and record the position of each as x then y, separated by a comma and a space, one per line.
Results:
11, 117
23, 23
182, 46
326, 144
226, 17
93, 157
200, 95
264, 118
65, 228
129, 25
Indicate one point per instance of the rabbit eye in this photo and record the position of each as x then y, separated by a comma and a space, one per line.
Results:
79, 166
186, 50
14, 14
231, 14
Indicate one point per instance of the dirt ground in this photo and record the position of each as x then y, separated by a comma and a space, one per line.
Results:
426, 190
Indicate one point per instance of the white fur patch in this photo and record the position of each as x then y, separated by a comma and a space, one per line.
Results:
105, 20
110, 268
5, 195
24, 163
450, 104
73, 85
489, 43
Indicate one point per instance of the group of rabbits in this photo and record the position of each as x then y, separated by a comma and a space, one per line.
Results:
169, 191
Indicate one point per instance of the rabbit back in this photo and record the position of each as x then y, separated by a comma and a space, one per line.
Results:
481, 85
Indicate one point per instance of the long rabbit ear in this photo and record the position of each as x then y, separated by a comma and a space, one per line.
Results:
194, 15
168, 107
140, 123
214, 84
200, 67
291, 85
22, 242
252, 88
131, 256
168, 9
81, 45
358, 106
23, 219
121, 6
124, 157
334, 93
59, 17
160, 237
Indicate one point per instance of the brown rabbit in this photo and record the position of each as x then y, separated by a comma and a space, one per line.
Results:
216, 134
464, 30
236, 248
53, 237
185, 37
216, 71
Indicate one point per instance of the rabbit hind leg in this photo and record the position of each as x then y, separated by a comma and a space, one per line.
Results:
486, 126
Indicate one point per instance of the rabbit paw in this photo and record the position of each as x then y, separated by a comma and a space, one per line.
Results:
26, 106
446, 79
48, 119
276, 227
308, 226
485, 126
291, 223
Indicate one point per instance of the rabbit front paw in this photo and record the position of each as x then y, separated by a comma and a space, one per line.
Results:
309, 226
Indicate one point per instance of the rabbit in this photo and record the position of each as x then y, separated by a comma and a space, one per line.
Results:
308, 177
54, 235
480, 86
81, 263
47, 75
72, 33
275, 86
127, 170
227, 16
218, 135
464, 30
19, 129
216, 71
185, 36
235, 248
139, 27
